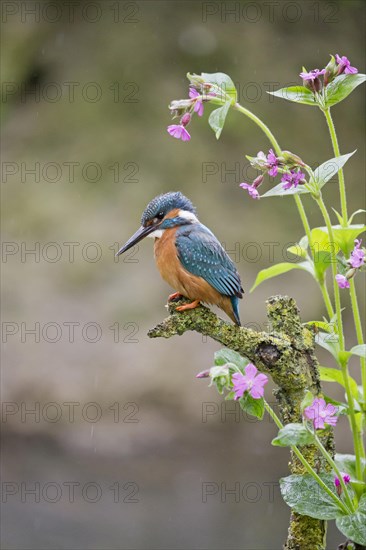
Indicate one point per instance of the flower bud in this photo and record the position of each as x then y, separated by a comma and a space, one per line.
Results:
179, 104
203, 374
337, 483
331, 71
351, 273
317, 84
186, 119
258, 180
220, 376
291, 160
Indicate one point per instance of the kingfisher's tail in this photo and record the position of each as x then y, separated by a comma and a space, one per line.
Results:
235, 310
230, 305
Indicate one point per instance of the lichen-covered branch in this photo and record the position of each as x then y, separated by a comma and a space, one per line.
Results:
287, 354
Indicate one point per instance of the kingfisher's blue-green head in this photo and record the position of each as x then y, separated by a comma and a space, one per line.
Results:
163, 212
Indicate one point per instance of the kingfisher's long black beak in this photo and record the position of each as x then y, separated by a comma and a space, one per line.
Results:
140, 234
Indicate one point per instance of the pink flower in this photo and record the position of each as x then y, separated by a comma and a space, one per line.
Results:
251, 190
357, 258
252, 382
198, 106
321, 413
342, 281
272, 163
346, 479
178, 131
292, 178
344, 65
312, 75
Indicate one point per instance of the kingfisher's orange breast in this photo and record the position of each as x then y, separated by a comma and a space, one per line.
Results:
167, 260
184, 282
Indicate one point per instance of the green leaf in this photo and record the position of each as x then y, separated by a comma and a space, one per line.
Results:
306, 497
223, 81
329, 168
217, 118
322, 251
225, 355
320, 241
341, 87
322, 175
334, 375
359, 350
279, 269
344, 237
330, 342
355, 214
254, 407
340, 218
353, 526
298, 94
293, 434
304, 242
298, 250
322, 260
279, 191
347, 463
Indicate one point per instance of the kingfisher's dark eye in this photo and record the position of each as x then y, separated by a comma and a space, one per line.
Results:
160, 216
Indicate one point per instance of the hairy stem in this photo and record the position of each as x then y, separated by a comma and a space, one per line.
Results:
356, 432
342, 187
358, 326
261, 125
333, 253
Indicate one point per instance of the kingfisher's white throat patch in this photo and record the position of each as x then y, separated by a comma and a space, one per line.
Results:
157, 234
188, 216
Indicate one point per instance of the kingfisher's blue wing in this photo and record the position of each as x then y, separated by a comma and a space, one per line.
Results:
202, 254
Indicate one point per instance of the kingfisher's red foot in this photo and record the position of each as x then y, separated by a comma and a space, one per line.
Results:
192, 305
175, 296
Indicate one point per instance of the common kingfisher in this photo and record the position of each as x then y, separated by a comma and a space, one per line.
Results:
188, 255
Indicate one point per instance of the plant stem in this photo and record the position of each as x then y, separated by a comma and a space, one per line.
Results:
333, 262
326, 298
323, 285
261, 125
356, 433
358, 326
305, 463
304, 218
342, 187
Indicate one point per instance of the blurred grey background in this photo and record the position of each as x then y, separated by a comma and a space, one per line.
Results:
125, 449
